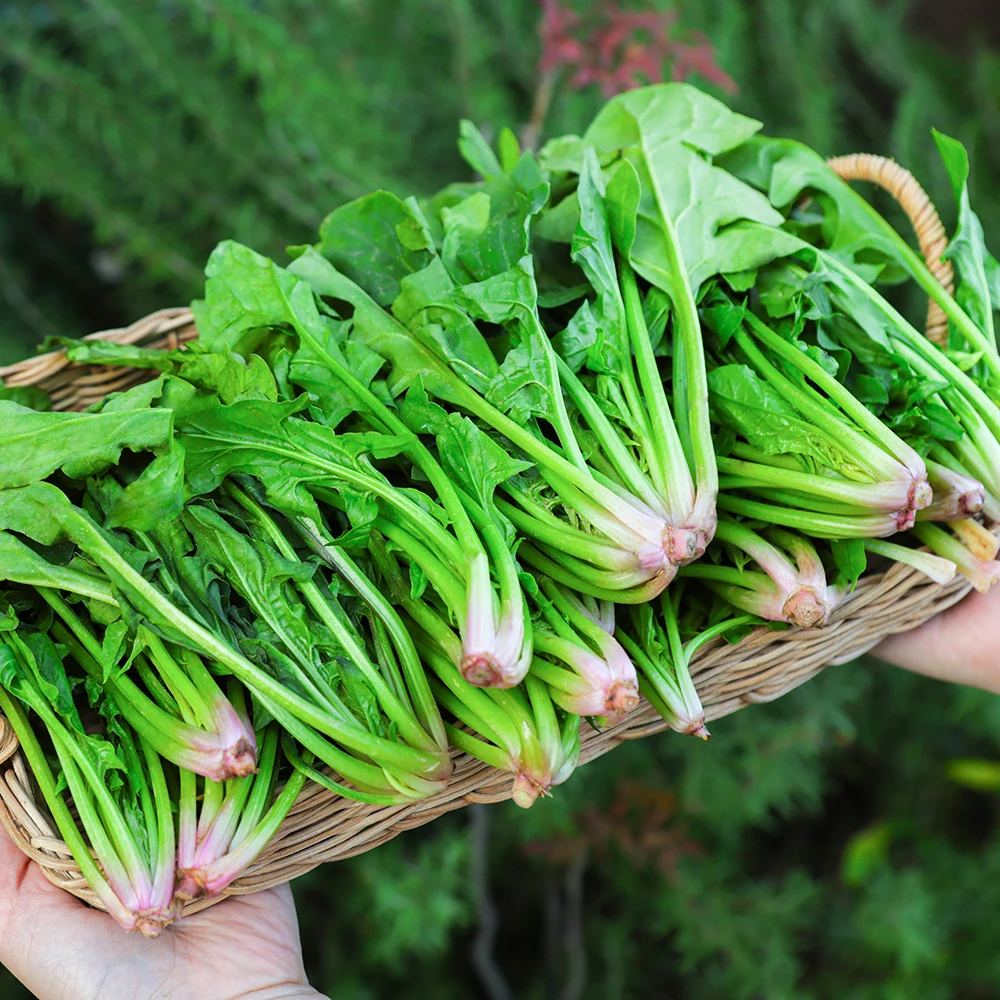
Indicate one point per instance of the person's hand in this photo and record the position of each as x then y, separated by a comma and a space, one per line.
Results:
247, 947
960, 645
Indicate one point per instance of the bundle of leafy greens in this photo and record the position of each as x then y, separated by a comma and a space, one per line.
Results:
787, 581
123, 836
383, 510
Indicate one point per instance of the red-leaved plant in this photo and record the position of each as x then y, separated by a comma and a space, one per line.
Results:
619, 49
616, 49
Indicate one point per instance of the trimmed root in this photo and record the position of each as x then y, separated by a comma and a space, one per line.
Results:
482, 670
805, 608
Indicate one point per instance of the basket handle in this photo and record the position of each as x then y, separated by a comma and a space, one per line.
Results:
927, 225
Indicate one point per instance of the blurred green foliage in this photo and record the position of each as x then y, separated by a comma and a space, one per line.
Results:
841, 843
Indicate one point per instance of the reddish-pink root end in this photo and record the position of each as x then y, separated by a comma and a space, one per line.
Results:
240, 760
972, 503
906, 519
699, 730
622, 698
152, 923
190, 884
805, 609
680, 545
482, 670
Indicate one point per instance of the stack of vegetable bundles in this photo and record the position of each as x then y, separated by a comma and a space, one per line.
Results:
470, 469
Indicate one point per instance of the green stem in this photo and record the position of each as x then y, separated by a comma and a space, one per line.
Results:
668, 463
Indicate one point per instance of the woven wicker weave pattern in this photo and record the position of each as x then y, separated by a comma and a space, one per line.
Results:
325, 827
927, 225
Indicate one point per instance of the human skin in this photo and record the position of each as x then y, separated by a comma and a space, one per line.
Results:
962, 645
246, 948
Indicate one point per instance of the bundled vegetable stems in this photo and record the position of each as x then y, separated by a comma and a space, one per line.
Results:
470, 470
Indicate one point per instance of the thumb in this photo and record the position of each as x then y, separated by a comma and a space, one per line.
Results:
961, 645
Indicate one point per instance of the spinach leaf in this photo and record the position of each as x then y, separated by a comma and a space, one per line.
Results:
33, 445
665, 132
377, 241
977, 268
758, 412
477, 463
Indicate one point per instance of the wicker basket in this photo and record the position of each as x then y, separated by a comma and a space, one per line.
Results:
325, 827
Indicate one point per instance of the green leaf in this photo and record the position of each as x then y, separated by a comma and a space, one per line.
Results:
980, 775
967, 248
420, 413
785, 170
428, 305
582, 333
110, 352
475, 461
8, 669
376, 329
258, 573
20, 563
40, 511
744, 401
26, 395
865, 853
156, 495
592, 248
563, 154
476, 151
309, 369
33, 445
624, 198
49, 673
256, 437
665, 113
850, 558
376, 241
509, 149
247, 296
527, 382
113, 645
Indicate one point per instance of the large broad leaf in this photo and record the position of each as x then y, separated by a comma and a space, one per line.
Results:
33, 445
258, 438
977, 269
703, 202
247, 295
665, 113
427, 305
377, 241
665, 132
786, 171
41, 512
